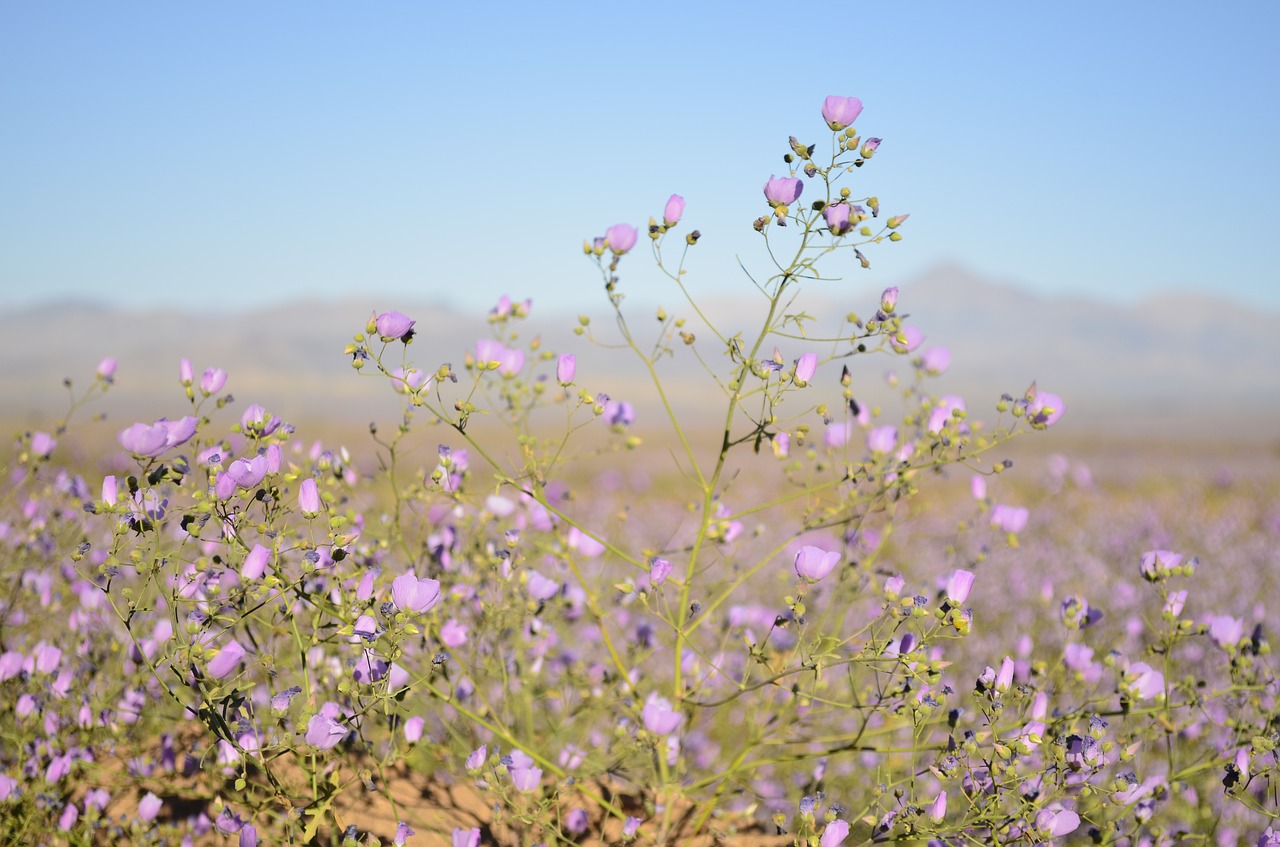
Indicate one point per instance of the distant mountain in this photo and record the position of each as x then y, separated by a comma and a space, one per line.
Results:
1173, 365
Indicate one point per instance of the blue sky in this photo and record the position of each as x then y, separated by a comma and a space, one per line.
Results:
217, 156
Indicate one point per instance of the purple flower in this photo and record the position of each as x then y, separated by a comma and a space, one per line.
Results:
576, 821
889, 300
781, 443
1056, 820
936, 360
834, 833
212, 381
413, 729
227, 660
153, 439
783, 191
411, 594
42, 443
70, 814
620, 238
631, 826
806, 365
541, 588
246, 473
256, 421
870, 146
409, 381
659, 570
958, 587
323, 732
1225, 631
1004, 679
249, 836
466, 837
814, 563
475, 760
1010, 519
1143, 682
309, 498
658, 716
1158, 563
673, 211
943, 413
402, 833
907, 339
10, 664
453, 634
1045, 409
393, 325
882, 439
526, 779
107, 368
185, 375
619, 413
255, 564
837, 217
566, 368
938, 808
840, 112
149, 807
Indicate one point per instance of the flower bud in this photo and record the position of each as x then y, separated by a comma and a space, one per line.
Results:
212, 381
185, 375
889, 300
870, 146
566, 368
673, 211
804, 368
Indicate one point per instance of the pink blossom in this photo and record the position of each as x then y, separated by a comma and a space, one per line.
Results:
393, 325
411, 594
783, 191
673, 211
149, 806
805, 367
840, 112
151, 440
309, 498
834, 833
907, 339
566, 368
212, 381
958, 587
1011, 519
658, 716
814, 563
42, 443
1045, 409
882, 439
620, 238
837, 217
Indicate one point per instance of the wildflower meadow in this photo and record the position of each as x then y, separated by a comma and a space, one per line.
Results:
807, 612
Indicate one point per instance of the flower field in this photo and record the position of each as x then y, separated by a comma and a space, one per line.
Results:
527, 615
